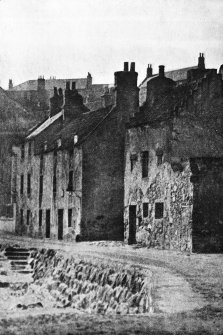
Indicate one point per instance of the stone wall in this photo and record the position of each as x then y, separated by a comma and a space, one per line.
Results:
91, 285
167, 183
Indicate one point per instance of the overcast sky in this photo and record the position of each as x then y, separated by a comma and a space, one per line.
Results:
68, 38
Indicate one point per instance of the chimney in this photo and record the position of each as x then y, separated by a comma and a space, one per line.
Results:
89, 81
10, 84
73, 85
201, 61
55, 106
126, 66
40, 83
126, 92
106, 98
161, 71
73, 101
149, 72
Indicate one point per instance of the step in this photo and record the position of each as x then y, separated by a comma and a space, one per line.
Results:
17, 257
10, 249
11, 253
25, 271
19, 262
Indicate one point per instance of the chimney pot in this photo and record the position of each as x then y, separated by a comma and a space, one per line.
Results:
67, 85
149, 71
126, 66
55, 90
132, 67
161, 71
73, 85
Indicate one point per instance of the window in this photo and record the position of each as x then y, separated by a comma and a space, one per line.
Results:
21, 217
28, 217
159, 154
23, 151
70, 183
40, 217
21, 184
54, 185
28, 183
158, 210
133, 160
30, 149
41, 164
69, 217
145, 162
41, 185
145, 209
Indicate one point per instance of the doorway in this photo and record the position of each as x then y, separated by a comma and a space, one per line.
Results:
60, 224
132, 224
48, 223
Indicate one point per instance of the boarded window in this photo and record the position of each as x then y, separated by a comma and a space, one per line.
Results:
159, 210
28, 217
159, 154
21, 184
145, 209
133, 160
69, 217
28, 183
40, 217
145, 163
23, 151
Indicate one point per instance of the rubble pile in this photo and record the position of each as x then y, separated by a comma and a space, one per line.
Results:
91, 285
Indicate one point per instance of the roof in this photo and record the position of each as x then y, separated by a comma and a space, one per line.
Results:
31, 85
56, 128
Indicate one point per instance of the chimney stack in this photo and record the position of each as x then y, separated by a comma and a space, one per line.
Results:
132, 67
149, 72
10, 84
126, 66
73, 85
201, 63
161, 71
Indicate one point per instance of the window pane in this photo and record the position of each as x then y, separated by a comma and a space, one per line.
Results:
159, 210
145, 161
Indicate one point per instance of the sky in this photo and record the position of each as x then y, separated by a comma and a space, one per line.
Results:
68, 38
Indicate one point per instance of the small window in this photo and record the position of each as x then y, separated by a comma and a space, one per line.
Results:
41, 185
69, 217
159, 210
133, 160
159, 154
145, 162
21, 184
28, 183
28, 217
21, 217
23, 151
30, 148
40, 217
70, 183
41, 164
145, 209
54, 185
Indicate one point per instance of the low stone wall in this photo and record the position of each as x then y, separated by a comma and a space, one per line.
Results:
7, 224
93, 285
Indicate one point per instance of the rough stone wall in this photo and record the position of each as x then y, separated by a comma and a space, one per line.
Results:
62, 200
103, 182
166, 183
93, 285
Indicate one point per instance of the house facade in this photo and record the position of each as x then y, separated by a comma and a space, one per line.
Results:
173, 164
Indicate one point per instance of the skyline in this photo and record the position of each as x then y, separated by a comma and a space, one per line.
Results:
69, 39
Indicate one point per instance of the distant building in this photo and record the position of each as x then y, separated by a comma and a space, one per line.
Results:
35, 94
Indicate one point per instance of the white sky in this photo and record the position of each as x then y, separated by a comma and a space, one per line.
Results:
68, 38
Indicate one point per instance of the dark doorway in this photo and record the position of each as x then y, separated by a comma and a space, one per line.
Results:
60, 224
48, 223
132, 224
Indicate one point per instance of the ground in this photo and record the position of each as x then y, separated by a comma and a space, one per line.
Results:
188, 294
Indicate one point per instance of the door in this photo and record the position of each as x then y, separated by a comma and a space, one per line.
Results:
60, 224
132, 224
48, 223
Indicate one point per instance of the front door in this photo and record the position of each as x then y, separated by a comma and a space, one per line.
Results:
48, 223
60, 224
132, 224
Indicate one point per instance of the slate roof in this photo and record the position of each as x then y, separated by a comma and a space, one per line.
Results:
31, 85
82, 126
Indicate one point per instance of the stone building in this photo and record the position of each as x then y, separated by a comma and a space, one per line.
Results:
68, 173
35, 95
174, 164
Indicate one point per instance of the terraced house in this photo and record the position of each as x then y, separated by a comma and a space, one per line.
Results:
148, 172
